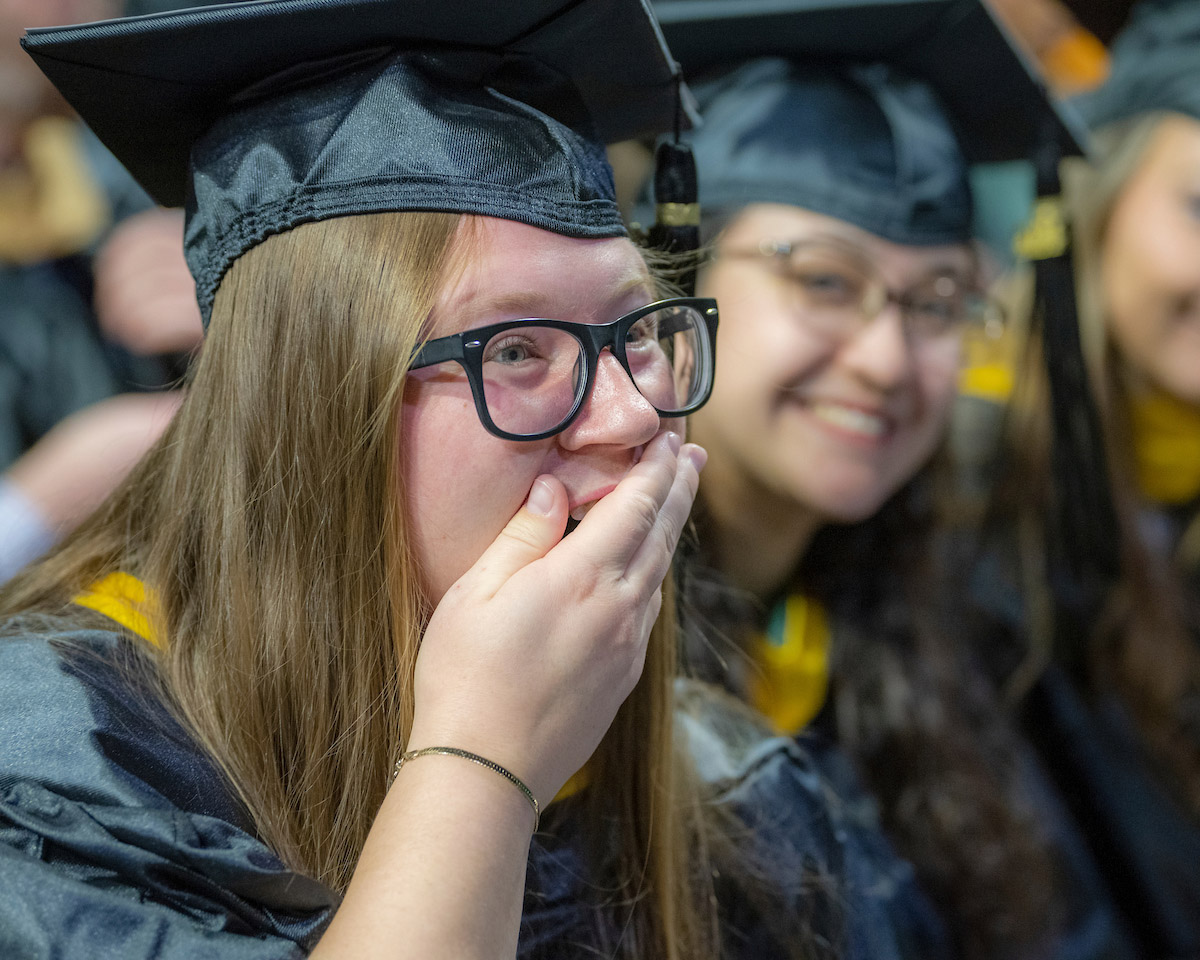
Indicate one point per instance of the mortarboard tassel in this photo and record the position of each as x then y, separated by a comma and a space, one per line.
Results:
1082, 534
676, 200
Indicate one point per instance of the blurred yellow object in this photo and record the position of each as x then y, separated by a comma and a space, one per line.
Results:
989, 364
792, 656
52, 206
1045, 235
1166, 443
1077, 61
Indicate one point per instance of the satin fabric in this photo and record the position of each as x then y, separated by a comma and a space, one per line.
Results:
401, 132
1141, 845
119, 838
862, 143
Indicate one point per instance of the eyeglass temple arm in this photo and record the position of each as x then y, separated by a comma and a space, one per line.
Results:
437, 351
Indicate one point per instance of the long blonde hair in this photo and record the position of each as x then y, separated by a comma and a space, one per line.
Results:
1141, 648
268, 522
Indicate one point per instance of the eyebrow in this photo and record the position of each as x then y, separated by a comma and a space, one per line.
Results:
529, 304
951, 264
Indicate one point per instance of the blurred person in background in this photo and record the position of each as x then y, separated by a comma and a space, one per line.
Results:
1115, 710
835, 194
95, 301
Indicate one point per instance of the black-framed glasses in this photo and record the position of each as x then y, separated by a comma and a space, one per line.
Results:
530, 378
837, 290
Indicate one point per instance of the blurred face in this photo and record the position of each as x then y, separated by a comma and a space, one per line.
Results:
808, 418
1150, 262
463, 483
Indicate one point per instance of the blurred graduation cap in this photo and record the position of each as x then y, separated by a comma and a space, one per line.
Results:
1155, 65
870, 110
998, 105
867, 110
264, 115
1102, 17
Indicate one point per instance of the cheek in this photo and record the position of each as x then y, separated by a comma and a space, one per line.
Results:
1150, 269
462, 485
938, 376
937, 383
761, 351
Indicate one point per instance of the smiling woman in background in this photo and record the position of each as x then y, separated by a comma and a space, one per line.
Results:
838, 207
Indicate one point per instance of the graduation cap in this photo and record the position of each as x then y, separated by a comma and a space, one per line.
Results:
1104, 18
1155, 65
989, 88
866, 110
260, 116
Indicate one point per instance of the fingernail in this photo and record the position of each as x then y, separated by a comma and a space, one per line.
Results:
541, 498
674, 441
698, 455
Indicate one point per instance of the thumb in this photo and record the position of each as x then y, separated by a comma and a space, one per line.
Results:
529, 535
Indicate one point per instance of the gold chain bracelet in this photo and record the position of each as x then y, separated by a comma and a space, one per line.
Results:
483, 762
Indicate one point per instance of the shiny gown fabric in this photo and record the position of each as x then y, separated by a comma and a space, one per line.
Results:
119, 838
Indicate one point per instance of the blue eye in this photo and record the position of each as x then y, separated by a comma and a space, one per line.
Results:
509, 349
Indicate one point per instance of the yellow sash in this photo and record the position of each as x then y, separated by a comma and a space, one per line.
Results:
989, 362
124, 599
1166, 431
792, 680
1166, 444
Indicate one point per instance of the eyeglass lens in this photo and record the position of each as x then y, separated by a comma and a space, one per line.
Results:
838, 292
534, 376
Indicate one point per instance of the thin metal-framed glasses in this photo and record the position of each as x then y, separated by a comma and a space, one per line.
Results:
530, 378
838, 291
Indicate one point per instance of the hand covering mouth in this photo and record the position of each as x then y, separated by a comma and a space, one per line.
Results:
581, 508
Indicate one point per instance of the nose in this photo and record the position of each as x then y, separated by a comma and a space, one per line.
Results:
614, 414
880, 354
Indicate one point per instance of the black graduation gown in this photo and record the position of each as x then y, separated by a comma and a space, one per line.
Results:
118, 838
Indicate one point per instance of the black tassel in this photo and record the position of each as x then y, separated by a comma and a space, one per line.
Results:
676, 207
1082, 534
677, 200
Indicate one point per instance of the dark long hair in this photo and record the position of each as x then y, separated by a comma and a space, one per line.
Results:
908, 704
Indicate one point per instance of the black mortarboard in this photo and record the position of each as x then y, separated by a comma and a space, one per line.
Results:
1155, 65
867, 111
289, 111
859, 142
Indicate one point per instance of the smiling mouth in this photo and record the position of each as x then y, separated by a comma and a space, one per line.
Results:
869, 426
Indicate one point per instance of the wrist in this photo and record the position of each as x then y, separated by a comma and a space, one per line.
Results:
474, 790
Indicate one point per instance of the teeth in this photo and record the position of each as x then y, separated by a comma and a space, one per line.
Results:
581, 511
847, 418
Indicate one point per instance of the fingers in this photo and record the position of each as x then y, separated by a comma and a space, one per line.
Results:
653, 557
70, 471
615, 528
529, 536
634, 530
